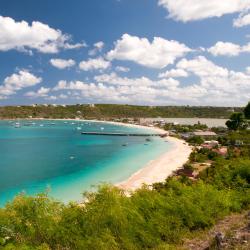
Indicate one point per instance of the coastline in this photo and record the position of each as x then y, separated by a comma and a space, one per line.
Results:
156, 170
160, 168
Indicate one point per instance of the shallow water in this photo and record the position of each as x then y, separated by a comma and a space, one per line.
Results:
56, 156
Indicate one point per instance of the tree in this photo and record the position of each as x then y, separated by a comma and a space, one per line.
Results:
247, 111
236, 121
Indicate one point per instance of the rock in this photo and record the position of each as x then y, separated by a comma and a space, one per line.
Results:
219, 239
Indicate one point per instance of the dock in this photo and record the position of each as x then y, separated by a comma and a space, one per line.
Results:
123, 134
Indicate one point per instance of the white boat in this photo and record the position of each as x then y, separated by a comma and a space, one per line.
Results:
17, 125
102, 128
78, 128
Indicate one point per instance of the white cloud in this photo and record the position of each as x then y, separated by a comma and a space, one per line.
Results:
225, 49
173, 73
220, 83
228, 49
246, 48
97, 48
94, 64
242, 20
190, 10
214, 85
61, 63
158, 54
202, 67
42, 92
122, 69
248, 70
18, 81
38, 36
99, 45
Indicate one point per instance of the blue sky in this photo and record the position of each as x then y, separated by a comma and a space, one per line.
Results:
154, 52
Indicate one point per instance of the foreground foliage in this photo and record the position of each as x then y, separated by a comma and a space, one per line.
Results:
155, 218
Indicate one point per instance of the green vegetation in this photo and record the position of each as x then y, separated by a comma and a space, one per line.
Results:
110, 111
195, 140
185, 128
157, 218
236, 121
247, 111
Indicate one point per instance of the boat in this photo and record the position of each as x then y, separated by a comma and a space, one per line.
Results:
78, 128
17, 125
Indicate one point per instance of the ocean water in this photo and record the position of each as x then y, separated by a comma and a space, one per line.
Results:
57, 157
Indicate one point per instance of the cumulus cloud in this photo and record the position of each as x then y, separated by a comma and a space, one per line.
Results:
220, 83
225, 49
18, 81
228, 49
191, 10
173, 73
213, 85
97, 48
94, 64
61, 63
24, 37
248, 70
202, 67
122, 69
114, 79
242, 20
42, 92
156, 54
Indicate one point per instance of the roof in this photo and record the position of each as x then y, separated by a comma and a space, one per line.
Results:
205, 133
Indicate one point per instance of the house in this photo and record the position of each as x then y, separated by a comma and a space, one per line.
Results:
221, 151
205, 134
210, 144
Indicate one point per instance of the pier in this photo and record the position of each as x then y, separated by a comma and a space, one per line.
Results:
123, 134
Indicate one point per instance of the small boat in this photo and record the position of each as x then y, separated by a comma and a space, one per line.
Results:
102, 128
148, 139
78, 128
125, 144
41, 125
71, 157
17, 125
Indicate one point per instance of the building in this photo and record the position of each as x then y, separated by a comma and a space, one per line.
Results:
205, 134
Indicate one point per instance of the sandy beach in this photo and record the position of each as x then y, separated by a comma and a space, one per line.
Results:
162, 167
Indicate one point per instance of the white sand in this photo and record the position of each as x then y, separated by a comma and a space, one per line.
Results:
159, 169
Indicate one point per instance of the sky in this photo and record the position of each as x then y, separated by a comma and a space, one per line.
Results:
142, 52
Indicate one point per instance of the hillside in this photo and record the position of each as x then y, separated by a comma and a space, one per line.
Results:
109, 111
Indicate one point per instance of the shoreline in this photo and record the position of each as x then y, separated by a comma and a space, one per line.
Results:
159, 169
156, 170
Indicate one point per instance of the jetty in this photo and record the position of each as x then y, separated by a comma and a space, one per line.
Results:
124, 134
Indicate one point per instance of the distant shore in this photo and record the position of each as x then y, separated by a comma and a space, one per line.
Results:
158, 169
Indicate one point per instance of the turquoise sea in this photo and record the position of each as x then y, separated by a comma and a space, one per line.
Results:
55, 156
